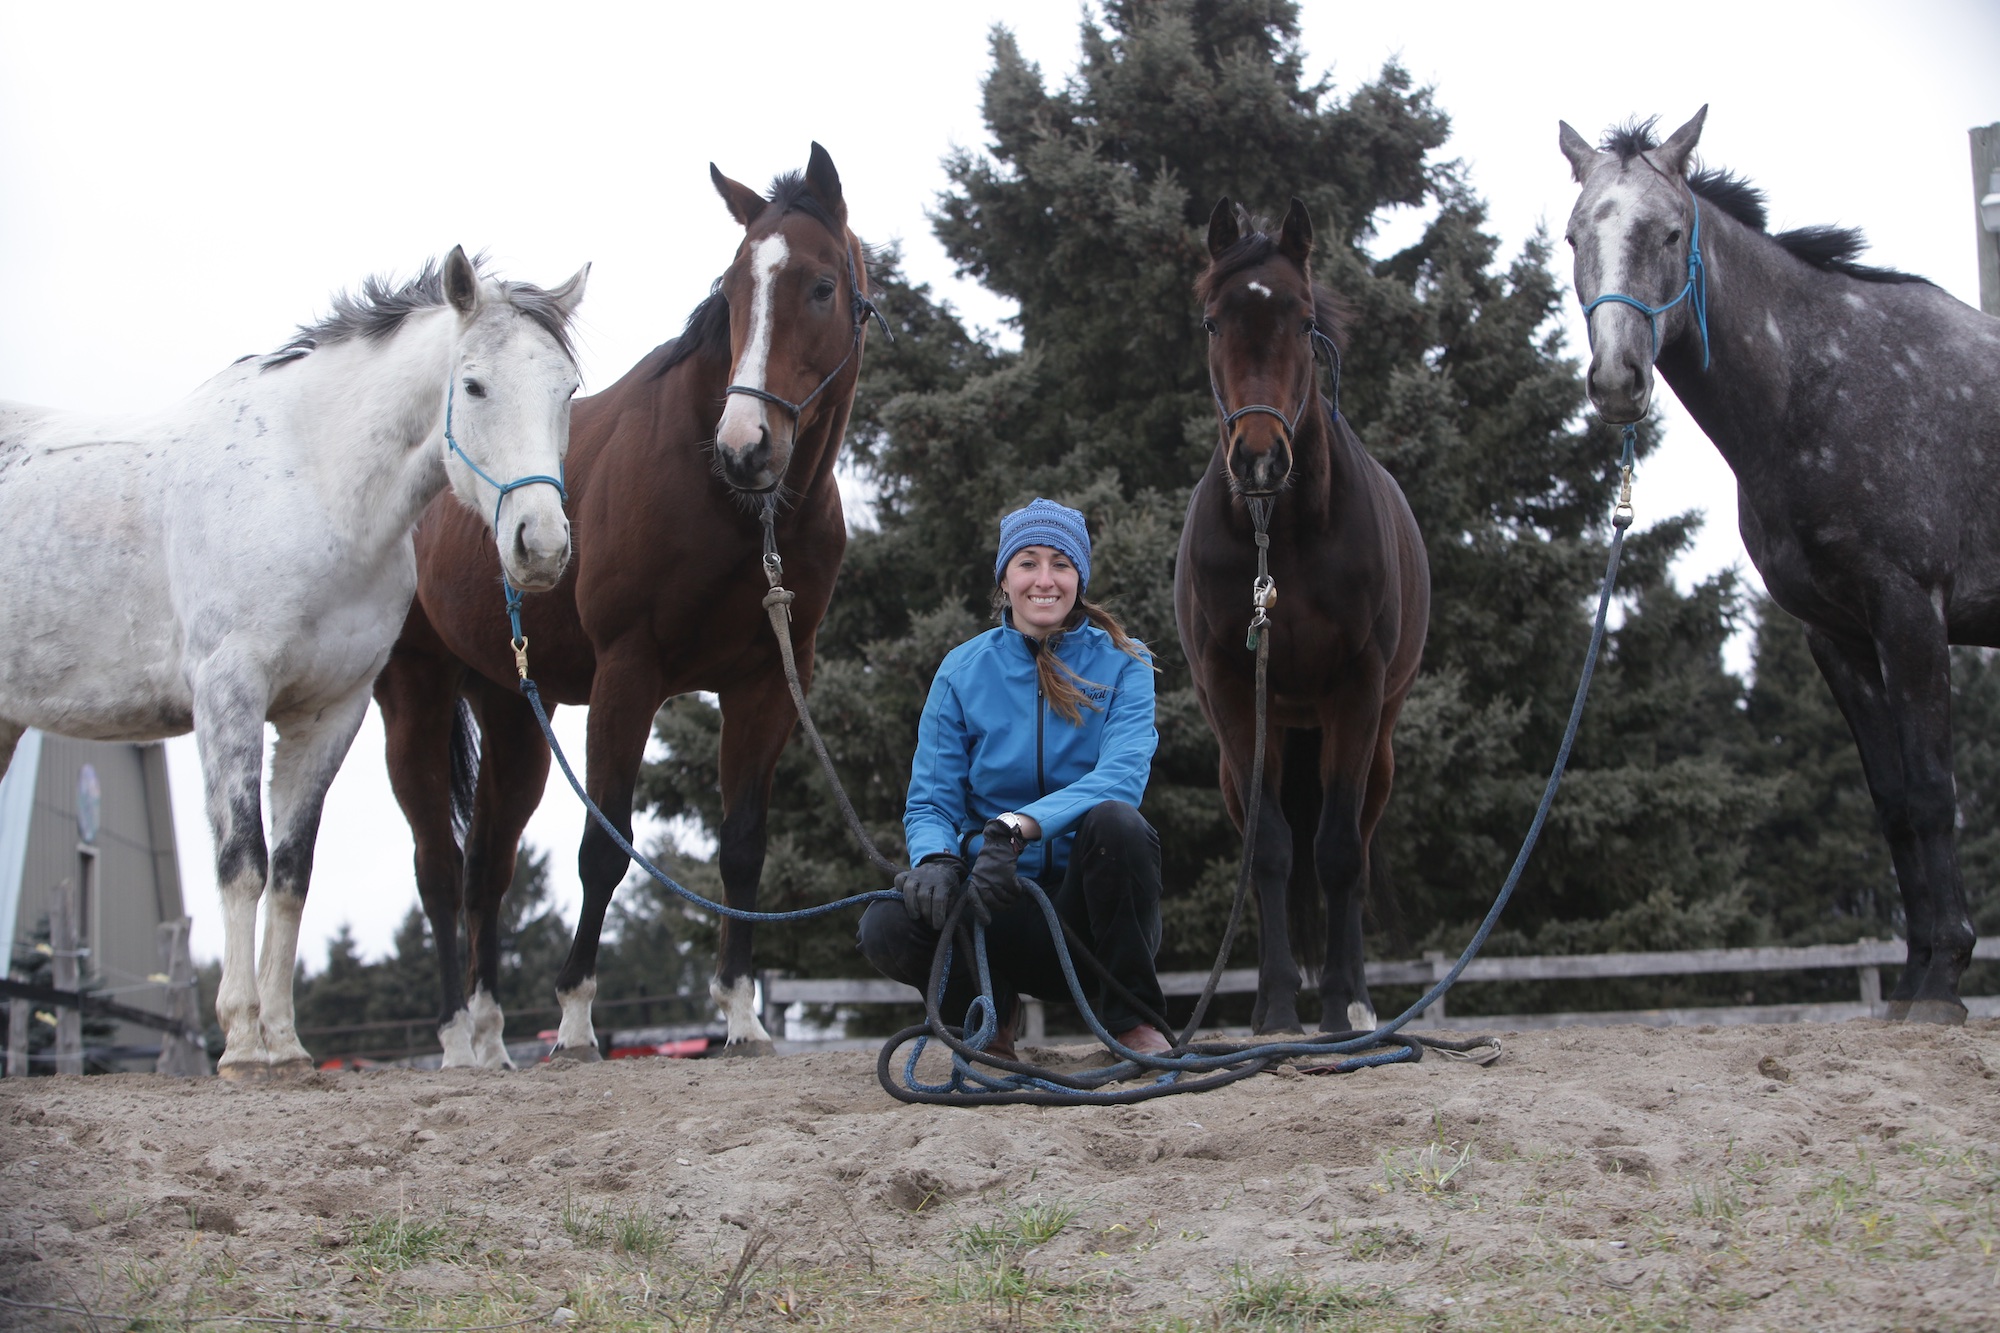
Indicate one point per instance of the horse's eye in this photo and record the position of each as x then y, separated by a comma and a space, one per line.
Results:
474, 388
1208, 326
823, 291
1306, 327
1569, 239
1673, 236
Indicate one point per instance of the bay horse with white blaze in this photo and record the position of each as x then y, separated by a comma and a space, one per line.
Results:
669, 475
1860, 411
245, 556
1345, 636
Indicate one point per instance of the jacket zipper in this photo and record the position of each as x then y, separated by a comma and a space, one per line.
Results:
1041, 782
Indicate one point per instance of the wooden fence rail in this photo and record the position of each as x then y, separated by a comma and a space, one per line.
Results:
1866, 957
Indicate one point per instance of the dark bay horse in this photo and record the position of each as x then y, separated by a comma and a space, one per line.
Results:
1860, 411
1347, 631
668, 472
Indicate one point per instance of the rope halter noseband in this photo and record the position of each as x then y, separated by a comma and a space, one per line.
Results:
1694, 292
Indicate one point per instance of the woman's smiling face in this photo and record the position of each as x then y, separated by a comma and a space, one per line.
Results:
1041, 586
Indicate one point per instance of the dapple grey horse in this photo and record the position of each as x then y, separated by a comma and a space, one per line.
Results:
1860, 411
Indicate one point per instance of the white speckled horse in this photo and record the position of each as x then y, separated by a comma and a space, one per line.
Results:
1860, 411
246, 556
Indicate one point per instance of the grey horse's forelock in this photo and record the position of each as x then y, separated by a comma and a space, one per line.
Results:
379, 309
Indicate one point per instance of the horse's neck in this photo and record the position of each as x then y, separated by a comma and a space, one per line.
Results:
1757, 312
372, 424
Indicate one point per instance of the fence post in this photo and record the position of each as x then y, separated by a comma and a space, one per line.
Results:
62, 940
17, 1038
1871, 981
773, 1015
1440, 965
180, 1058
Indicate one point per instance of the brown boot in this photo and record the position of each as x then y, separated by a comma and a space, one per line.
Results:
1002, 1044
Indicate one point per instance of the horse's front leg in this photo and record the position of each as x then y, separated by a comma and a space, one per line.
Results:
230, 696
1896, 696
757, 717
1232, 715
513, 772
1355, 774
308, 755
625, 694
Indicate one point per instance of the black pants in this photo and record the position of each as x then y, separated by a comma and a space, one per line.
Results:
1110, 895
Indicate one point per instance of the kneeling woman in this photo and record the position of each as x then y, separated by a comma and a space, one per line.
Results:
1032, 757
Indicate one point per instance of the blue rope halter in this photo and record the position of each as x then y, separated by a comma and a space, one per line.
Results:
505, 488
1695, 293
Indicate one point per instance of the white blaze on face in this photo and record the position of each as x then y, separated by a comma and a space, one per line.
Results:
743, 416
1259, 288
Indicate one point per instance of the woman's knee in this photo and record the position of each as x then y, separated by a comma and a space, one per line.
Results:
897, 946
1119, 828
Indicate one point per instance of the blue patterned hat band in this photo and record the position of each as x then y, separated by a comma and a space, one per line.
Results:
1046, 523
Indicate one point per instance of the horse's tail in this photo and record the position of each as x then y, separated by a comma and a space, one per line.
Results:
1300, 798
464, 769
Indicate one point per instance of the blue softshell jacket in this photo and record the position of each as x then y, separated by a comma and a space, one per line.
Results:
989, 743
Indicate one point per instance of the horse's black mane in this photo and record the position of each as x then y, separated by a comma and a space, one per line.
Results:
1256, 245
1830, 248
379, 310
708, 324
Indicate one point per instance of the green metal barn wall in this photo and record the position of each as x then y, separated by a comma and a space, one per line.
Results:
138, 878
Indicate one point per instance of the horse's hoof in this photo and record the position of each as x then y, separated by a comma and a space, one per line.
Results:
582, 1055
262, 1073
1897, 1011
750, 1049
1948, 1012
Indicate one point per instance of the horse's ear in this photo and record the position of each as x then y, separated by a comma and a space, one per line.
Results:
824, 182
1223, 230
461, 283
744, 203
1674, 153
1582, 157
1295, 236
570, 295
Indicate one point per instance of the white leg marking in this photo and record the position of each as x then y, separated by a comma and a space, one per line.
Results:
1361, 1017
488, 1023
743, 417
275, 964
575, 1033
236, 997
739, 1008
456, 1038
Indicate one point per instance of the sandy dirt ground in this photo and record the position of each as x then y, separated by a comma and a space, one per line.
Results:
1831, 1177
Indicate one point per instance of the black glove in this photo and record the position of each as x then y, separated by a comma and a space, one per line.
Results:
928, 888
993, 884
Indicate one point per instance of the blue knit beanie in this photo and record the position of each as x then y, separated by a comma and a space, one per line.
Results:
1046, 523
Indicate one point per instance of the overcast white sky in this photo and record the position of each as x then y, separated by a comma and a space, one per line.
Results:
180, 185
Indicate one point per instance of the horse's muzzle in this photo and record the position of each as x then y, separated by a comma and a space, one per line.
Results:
1620, 386
1261, 473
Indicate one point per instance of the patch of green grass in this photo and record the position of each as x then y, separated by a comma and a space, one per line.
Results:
1019, 1230
1386, 1242
1431, 1170
388, 1242
1287, 1301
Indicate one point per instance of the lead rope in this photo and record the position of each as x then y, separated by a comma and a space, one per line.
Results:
1263, 597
